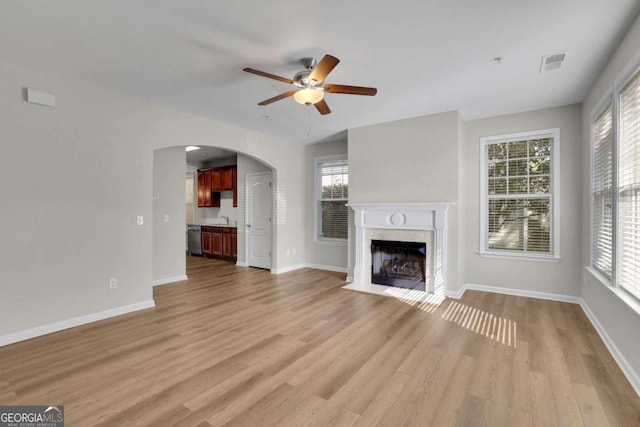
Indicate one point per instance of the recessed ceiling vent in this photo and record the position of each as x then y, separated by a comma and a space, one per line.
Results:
551, 62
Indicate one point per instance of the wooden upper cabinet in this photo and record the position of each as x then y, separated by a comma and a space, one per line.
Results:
226, 178
234, 184
207, 197
200, 189
212, 181
216, 181
207, 188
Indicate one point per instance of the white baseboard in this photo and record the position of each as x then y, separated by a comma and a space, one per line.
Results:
454, 294
518, 293
70, 323
242, 264
287, 269
349, 279
168, 280
632, 376
308, 265
622, 362
327, 268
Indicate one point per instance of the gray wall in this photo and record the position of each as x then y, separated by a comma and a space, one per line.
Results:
73, 179
541, 276
617, 319
168, 199
414, 160
332, 256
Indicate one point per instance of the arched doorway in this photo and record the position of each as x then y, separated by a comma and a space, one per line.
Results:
173, 167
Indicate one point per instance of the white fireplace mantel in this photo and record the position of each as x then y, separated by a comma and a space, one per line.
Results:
430, 217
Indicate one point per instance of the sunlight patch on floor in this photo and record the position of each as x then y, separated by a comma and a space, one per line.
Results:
494, 327
424, 301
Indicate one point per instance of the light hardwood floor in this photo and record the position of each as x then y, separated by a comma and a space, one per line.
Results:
239, 346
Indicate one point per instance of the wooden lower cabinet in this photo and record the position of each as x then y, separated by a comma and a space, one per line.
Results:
226, 243
207, 242
220, 242
217, 243
234, 243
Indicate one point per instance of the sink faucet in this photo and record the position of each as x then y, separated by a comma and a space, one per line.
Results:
226, 218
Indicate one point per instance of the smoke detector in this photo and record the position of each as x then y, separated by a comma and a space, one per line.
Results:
551, 62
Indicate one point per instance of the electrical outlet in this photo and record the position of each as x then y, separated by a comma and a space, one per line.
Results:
293, 251
288, 252
166, 218
113, 283
140, 220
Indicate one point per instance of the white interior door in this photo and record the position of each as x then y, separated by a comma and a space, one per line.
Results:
259, 222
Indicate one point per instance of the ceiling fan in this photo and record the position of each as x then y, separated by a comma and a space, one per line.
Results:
310, 84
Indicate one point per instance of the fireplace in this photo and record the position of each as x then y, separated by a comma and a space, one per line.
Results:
399, 264
422, 223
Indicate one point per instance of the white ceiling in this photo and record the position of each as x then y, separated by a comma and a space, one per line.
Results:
424, 56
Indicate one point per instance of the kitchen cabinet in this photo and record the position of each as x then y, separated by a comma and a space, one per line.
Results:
215, 180
234, 184
234, 243
226, 243
226, 182
220, 242
207, 242
217, 242
212, 181
207, 198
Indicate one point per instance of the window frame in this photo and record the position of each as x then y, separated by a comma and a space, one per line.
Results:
317, 220
554, 196
606, 102
612, 97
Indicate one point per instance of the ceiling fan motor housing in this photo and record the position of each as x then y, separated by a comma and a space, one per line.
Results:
309, 62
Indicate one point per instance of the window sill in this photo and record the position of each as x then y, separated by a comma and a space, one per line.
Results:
524, 257
627, 299
331, 242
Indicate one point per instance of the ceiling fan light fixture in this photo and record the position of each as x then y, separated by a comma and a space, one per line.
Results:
308, 96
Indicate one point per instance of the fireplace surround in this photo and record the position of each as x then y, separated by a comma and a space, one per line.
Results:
405, 222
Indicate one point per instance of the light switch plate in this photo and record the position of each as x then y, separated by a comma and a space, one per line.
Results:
140, 220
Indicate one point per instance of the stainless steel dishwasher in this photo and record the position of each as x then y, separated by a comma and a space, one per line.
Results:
194, 240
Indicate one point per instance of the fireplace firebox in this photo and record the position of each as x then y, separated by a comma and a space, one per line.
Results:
399, 264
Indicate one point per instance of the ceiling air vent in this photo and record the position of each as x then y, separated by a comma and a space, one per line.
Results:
551, 62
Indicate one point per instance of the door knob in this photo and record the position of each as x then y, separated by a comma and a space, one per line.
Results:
248, 225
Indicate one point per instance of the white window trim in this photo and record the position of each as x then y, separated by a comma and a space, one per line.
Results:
555, 196
603, 104
611, 97
316, 204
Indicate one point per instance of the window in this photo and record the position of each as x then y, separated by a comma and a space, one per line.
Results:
615, 210
628, 232
518, 195
332, 192
602, 195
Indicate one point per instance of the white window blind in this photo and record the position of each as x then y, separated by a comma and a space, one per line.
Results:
628, 232
333, 193
518, 194
602, 208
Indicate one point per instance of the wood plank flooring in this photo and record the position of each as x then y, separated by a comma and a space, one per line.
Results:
239, 346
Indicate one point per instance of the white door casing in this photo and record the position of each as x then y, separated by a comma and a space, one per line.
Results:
259, 208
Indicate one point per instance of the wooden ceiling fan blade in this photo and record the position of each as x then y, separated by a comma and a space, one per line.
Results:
322, 107
350, 90
278, 98
268, 75
323, 68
